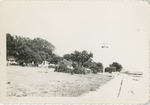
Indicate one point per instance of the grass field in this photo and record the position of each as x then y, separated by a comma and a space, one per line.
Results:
29, 81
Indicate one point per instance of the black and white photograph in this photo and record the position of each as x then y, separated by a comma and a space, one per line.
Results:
81, 51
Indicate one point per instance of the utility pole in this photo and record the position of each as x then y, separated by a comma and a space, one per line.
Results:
104, 46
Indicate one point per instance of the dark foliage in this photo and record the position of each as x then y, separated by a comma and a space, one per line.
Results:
117, 65
62, 67
95, 67
27, 50
110, 69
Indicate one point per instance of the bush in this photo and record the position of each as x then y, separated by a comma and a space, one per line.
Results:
110, 69
100, 65
96, 68
61, 68
117, 65
95, 71
80, 70
87, 64
75, 71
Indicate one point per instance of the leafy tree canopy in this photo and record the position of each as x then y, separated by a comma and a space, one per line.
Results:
27, 50
117, 65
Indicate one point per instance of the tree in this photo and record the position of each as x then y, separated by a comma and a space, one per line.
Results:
55, 60
87, 64
43, 48
26, 55
81, 57
42, 45
10, 44
76, 57
95, 67
68, 57
100, 65
27, 50
86, 56
117, 65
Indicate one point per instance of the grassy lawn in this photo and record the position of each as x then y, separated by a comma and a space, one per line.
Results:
29, 81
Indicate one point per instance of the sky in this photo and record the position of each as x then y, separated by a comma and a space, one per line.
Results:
85, 25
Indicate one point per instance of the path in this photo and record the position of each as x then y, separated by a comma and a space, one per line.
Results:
133, 90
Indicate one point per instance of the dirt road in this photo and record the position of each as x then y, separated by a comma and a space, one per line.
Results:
133, 90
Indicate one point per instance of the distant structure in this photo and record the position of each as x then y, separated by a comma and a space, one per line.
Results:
11, 61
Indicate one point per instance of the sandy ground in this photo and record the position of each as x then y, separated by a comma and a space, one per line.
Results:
30, 81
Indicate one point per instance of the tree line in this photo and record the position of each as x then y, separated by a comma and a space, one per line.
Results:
37, 50
83, 59
27, 50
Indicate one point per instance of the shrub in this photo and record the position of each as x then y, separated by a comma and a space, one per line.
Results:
63, 68
100, 70
94, 68
117, 65
95, 71
100, 65
87, 64
80, 70
110, 69
77, 71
